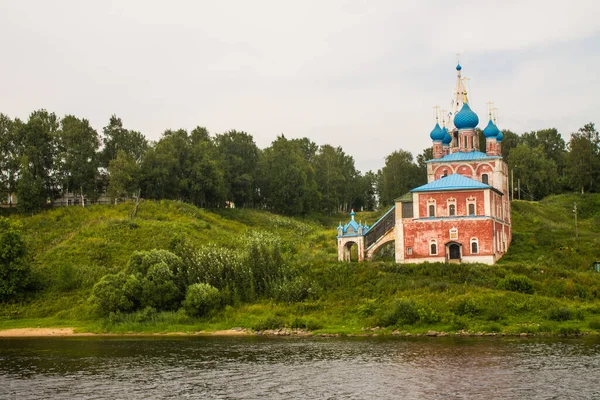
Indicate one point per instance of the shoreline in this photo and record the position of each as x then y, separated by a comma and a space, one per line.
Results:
70, 332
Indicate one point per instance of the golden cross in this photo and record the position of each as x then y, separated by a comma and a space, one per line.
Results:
436, 108
489, 104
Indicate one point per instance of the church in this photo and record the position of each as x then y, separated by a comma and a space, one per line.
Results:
462, 214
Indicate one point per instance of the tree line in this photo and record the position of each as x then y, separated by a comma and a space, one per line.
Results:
46, 157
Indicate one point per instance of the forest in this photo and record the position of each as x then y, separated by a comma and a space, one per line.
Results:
46, 156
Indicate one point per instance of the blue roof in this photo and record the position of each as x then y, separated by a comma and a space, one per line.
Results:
437, 134
464, 156
491, 130
447, 138
466, 118
452, 182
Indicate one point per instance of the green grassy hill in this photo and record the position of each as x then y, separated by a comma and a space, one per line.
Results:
545, 284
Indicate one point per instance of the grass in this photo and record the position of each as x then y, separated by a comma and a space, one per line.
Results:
544, 285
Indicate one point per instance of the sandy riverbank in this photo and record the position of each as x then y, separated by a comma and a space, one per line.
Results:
45, 332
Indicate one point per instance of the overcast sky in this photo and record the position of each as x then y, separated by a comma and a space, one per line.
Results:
363, 75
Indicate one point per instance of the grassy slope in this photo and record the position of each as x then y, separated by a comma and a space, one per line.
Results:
74, 247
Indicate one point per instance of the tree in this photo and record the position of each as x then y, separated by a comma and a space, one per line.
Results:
537, 173
205, 169
31, 193
123, 176
78, 144
118, 138
551, 142
510, 140
240, 155
399, 175
583, 160
287, 179
9, 162
14, 272
36, 143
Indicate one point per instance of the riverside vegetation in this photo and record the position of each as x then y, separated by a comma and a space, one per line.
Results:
179, 268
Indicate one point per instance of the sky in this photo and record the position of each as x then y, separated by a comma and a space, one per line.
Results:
363, 75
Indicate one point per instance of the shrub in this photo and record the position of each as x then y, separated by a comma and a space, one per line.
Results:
403, 312
201, 299
467, 306
14, 271
560, 314
158, 288
516, 283
292, 291
108, 295
595, 324
271, 322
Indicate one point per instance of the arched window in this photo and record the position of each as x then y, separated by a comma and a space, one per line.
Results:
445, 172
466, 142
471, 208
484, 179
432, 210
474, 246
451, 210
433, 247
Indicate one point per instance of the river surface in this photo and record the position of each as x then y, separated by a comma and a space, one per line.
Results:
298, 368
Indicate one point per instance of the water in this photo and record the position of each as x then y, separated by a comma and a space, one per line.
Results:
307, 368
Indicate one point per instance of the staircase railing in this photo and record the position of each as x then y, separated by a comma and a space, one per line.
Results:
381, 227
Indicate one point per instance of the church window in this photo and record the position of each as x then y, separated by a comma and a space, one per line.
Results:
409, 251
471, 206
474, 246
466, 142
445, 172
433, 247
485, 179
432, 210
451, 206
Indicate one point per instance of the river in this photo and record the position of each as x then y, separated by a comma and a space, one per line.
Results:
299, 368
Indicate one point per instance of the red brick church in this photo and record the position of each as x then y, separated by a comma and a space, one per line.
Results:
461, 215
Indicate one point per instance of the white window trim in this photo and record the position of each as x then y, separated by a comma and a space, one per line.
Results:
451, 201
437, 249
432, 202
473, 240
471, 200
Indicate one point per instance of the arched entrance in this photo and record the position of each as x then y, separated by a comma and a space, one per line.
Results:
453, 251
351, 252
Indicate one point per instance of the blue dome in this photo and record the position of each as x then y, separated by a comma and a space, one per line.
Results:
437, 134
500, 136
447, 138
490, 130
466, 118
458, 67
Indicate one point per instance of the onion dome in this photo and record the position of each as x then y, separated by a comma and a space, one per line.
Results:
458, 67
437, 135
447, 138
466, 118
491, 130
500, 136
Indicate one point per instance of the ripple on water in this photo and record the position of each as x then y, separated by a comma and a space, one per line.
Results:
283, 368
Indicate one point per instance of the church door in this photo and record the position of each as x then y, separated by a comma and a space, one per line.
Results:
454, 251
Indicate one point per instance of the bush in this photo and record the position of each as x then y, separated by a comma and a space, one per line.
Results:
158, 288
14, 271
560, 314
292, 291
467, 306
517, 283
595, 324
271, 322
201, 299
403, 312
108, 295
